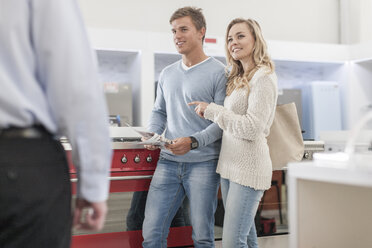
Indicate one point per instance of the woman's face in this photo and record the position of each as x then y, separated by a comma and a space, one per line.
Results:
240, 43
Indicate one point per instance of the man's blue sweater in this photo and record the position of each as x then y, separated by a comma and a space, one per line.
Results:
176, 88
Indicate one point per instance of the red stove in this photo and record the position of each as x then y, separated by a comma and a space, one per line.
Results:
132, 168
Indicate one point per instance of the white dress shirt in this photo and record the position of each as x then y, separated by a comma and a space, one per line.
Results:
48, 76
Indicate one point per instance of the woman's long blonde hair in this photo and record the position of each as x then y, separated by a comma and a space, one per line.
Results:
237, 77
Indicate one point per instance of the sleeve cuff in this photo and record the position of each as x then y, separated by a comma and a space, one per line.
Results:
93, 187
211, 111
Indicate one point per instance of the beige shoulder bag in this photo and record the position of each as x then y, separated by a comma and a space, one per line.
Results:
285, 138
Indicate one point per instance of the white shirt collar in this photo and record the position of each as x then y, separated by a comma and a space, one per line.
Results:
186, 68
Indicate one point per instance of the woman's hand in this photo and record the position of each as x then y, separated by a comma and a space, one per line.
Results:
200, 107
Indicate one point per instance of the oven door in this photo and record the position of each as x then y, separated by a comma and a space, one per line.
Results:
126, 204
129, 184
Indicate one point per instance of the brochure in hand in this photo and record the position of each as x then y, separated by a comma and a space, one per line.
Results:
153, 139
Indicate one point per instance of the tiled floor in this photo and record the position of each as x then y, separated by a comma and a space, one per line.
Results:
279, 241
276, 241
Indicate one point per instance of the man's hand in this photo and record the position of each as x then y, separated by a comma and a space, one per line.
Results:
149, 147
93, 219
180, 146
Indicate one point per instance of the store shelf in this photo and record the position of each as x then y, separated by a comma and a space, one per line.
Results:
138, 57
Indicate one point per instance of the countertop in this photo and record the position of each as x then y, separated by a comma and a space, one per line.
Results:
330, 173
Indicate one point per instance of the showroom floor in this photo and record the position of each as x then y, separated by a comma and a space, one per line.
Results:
276, 241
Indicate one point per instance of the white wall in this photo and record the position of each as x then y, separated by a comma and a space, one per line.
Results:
287, 20
366, 22
356, 21
361, 19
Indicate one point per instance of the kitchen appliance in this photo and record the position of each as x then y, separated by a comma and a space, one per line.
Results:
357, 153
119, 102
291, 95
335, 141
322, 108
311, 147
131, 172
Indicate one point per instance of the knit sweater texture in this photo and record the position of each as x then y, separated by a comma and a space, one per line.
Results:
246, 120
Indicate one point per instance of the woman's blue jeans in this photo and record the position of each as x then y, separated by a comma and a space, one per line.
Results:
241, 203
172, 181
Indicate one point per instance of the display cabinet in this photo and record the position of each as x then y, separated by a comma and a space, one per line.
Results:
360, 90
120, 72
145, 54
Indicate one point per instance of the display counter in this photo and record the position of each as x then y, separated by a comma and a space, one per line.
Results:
329, 206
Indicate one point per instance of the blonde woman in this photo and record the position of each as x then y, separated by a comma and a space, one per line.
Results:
248, 112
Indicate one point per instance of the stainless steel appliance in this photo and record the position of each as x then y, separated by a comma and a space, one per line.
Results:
119, 101
312, 147
291, 95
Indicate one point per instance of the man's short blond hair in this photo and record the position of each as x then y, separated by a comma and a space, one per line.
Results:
195, 14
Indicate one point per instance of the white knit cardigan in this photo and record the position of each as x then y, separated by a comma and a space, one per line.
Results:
246, 120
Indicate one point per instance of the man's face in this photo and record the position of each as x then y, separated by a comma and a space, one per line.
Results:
185, 35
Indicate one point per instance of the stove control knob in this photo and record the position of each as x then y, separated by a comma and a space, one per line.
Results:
149, 159
124, 159
307, 155
137, 159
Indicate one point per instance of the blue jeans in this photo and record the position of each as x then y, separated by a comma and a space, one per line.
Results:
241, 203
173, 181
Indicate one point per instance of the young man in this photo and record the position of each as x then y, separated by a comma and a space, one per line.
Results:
48, 87
188, 166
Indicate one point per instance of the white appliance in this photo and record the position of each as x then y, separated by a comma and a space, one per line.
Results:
321, 108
